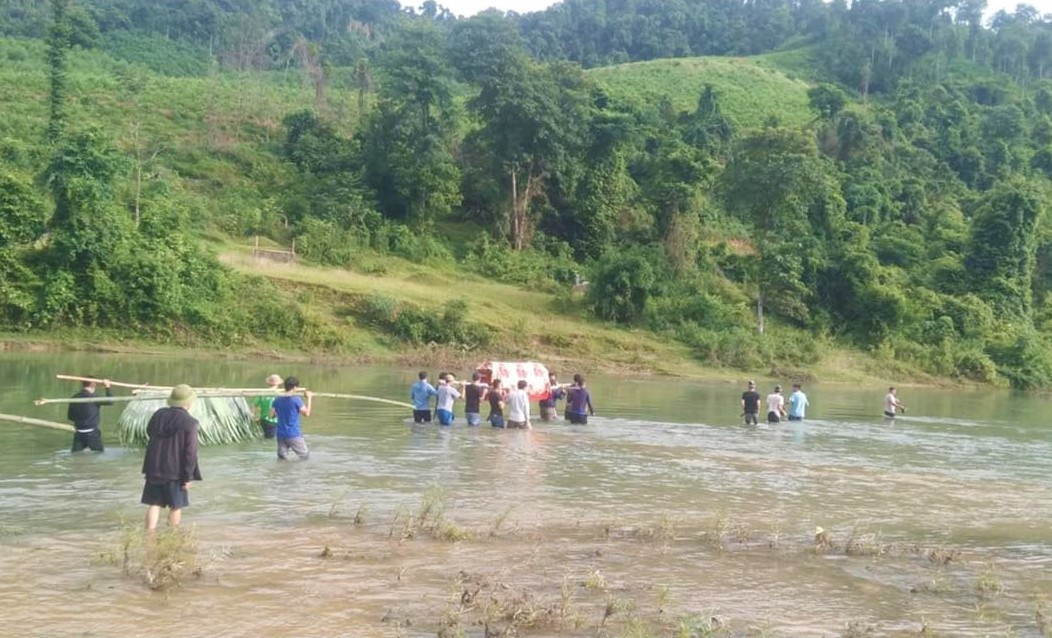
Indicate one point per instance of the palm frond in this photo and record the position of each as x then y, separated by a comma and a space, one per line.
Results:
223, 420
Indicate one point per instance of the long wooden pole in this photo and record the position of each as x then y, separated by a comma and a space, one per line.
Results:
220, 394
12, 418
118, 384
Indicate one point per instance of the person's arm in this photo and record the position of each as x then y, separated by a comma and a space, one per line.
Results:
71, 412
305, 409
109, 392
529, 426
431, 391
454, 392
189, 457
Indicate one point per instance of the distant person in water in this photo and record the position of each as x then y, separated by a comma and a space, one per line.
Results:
287, 409
578, 402
447, 394
518, 402
474, 394
751, 404
495, 396
892, 403
421, 394
775, 405
549, 410
797, 404
263, 404
170, 463
87, 417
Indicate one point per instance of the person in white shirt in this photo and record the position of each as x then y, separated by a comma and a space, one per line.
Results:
891, 403
518, 405
775, 405
447, 394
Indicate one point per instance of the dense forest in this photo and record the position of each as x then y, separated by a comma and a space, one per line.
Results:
905, 217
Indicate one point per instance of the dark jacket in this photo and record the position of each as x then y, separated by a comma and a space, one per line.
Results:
85, 416
171, 454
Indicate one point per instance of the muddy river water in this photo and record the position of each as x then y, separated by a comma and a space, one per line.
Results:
663, 517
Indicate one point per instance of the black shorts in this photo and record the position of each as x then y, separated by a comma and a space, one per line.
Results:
421, 416
166, 494
890, 415
795, 418
91, 440
772, 417
268, 429
751, 418
577, 419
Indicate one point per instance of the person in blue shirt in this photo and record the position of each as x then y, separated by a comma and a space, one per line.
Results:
797, 403
421, 394
288, 408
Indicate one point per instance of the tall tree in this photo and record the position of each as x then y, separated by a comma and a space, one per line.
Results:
58, 44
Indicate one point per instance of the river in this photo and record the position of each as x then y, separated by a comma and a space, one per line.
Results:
663, 517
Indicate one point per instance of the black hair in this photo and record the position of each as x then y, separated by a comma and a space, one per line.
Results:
475, 376
495, 382
422, 375
578, 379
522, 384
87, 384
291, 383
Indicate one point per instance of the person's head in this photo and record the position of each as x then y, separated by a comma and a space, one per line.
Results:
88, 385
495, 383
274, 380
291, 383
891, 390
182, 396
475, 376
551, 377
422, 375
796, 387
450, 377
578, 379
752, 385
777, 389
522, 384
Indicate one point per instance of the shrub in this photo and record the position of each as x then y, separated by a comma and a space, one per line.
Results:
415, 325
625, 281
537, 266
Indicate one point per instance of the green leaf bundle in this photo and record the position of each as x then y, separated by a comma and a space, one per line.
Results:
223, 420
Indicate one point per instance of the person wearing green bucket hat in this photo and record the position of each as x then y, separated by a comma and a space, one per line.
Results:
170, 464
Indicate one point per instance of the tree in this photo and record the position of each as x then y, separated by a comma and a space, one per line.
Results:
59, 42
1002, 250
775, 180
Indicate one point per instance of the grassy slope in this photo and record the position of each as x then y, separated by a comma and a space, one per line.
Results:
218, 134
751, 89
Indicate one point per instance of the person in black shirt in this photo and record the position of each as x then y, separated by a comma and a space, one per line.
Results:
86, 417
474, 394
751, 404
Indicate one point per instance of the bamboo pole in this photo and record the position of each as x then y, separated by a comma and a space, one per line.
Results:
220, 394
37, 422
117, 384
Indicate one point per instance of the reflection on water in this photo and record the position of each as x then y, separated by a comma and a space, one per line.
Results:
665, 504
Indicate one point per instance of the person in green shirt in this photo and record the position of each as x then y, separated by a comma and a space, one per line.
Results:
263, 404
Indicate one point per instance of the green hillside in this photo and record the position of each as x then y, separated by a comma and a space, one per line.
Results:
751, 90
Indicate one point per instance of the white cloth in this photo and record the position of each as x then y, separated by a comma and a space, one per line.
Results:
775, 403
446, 395
890, 403
518, 404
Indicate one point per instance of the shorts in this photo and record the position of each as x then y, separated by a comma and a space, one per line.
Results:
268, 429
473, 418
795, 418
496, 420
445, 417
751, 418
165, 494
772, 417
516, 425
296, 444
549, 414
577, 419
890, 415
92, 440
421, 416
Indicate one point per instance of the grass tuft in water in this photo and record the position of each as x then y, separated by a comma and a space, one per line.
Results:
359, 516
1043, 619
989, 584
702, 626
595, 581
170, 558
943, 555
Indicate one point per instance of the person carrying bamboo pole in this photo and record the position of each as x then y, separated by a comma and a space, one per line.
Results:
288, 408
170, 463
263, 403
86, 418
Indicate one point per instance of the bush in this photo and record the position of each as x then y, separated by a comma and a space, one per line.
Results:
625, 282
417, 326
534, 267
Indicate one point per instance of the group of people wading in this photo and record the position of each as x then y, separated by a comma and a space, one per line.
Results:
508, 407
797, 404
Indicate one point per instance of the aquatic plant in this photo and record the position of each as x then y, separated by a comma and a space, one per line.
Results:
595, 580
222, 420
170, 558
988, 583
702, 626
